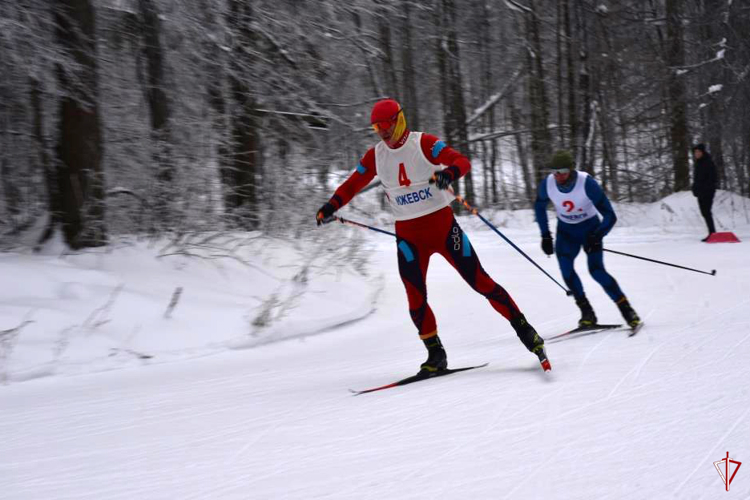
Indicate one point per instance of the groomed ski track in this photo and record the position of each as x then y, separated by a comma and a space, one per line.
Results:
619, 417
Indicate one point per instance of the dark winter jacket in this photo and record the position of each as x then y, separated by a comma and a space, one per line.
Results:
705, 179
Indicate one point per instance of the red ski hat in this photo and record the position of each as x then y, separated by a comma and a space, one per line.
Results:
385, 111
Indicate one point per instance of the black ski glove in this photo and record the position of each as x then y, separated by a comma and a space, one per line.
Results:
593, 243
547, 246
325, 214
443, 178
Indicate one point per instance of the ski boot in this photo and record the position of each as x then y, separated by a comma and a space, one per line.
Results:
531, 339
437, 359
588, 317
628, 313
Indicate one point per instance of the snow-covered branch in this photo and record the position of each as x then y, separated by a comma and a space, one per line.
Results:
495, 98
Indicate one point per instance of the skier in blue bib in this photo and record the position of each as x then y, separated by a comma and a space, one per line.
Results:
577, 197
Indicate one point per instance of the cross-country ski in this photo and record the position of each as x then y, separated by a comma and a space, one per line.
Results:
418, 378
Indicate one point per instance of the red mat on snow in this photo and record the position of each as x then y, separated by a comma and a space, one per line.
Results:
728, 237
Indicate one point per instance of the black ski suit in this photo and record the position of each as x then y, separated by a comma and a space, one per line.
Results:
705, 180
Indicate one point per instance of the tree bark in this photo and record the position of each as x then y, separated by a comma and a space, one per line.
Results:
572, 118
523, 158
714, 11
79, 180
541, 139
411, 96
560, 92
388, 67
158, 101
676, 96
240, 179
586, 127
454, 107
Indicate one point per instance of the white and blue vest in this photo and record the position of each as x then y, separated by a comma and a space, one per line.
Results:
573, 207
409, 191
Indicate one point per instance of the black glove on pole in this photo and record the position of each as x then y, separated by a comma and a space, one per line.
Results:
443, 179
547, 246
325, 214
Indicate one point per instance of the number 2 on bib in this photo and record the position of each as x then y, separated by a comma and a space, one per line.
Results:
403, 180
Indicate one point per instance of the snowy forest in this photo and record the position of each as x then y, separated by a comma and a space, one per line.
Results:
153, 117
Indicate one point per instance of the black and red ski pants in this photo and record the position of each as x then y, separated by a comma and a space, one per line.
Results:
438, 232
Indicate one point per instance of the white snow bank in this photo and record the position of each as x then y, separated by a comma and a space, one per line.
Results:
99, 310
677, 214
110, 308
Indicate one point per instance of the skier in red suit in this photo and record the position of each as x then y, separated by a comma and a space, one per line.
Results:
416, 170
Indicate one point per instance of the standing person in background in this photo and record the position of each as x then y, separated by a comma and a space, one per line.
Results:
704, 185
407, 163
577, 197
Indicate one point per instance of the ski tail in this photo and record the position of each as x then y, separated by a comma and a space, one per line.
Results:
635, 329
541, 353
585, 330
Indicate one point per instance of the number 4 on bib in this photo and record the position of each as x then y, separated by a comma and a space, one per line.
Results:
403, 180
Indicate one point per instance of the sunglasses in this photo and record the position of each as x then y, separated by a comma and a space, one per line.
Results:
378, 126
386, 124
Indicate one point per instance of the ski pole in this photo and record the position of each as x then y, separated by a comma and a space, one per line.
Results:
359, 224
712, 273
476, 212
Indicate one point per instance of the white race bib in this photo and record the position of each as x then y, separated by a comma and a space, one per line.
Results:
574, 207
405, 174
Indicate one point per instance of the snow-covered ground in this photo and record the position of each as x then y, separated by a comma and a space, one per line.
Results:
107, 392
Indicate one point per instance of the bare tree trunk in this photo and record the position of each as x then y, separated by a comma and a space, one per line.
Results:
158, 102
572, 118
714, 10
158, 106
495, 164
454, 107
411, 96
607, 86
374, 82
609, 147
38, 127
587, 122
489, 148
676, 95
240, 180
560, 92
9, 189
79, 180
388, 67
626, 155
738, 154
488, 156
541, 139
523, 159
